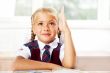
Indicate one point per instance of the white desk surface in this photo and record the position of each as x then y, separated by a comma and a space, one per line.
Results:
85, 64
62, 72
55, 71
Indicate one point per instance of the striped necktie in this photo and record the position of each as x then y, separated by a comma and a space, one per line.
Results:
46, 54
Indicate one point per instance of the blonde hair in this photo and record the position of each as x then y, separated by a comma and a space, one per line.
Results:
47, 10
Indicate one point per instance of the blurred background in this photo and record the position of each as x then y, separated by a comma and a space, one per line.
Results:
89, 22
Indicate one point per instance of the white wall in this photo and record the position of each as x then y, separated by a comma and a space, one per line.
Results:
88, 42
92, 42
13, 33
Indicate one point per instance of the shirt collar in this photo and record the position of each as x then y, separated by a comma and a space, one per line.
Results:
53, 44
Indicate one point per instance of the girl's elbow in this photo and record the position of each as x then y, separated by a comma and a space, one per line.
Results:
70, 66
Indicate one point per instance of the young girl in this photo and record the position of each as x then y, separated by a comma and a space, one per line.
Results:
46, 24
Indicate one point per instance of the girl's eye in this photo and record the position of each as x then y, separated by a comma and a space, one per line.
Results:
52, 23
40, 23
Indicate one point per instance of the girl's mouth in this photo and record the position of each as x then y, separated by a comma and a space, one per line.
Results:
46, 34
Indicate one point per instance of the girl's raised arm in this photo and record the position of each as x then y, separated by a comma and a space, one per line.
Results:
69, 59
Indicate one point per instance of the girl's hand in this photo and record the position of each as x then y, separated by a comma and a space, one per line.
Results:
63, 27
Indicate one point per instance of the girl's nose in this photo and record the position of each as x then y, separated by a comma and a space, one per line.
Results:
46, 27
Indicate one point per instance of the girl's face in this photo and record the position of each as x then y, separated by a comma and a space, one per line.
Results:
45, 27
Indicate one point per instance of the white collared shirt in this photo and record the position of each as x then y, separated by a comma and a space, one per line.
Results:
25, 51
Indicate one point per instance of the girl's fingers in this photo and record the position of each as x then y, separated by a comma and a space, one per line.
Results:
62, 20
62, 11
62, 16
